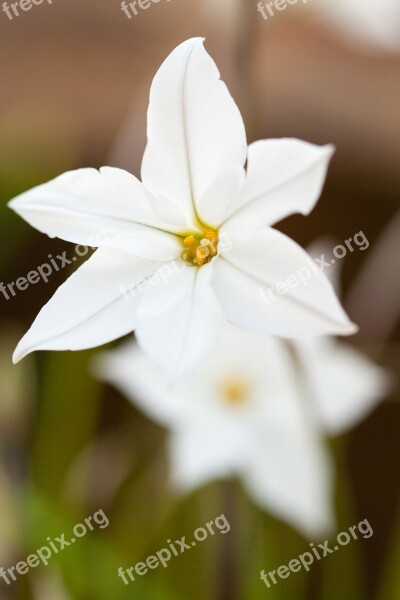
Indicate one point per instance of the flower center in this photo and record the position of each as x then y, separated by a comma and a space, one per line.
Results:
200, 248
235, 392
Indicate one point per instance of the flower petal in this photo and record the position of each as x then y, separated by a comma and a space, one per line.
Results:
153, 211
179, 318
202, 444
206, 452
291, 476
269, 284
346, 385
284, 177
215, 204
143, 383
86, 207
97, 304
195, 130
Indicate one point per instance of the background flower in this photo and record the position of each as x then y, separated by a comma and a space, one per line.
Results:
257, 408
374, 25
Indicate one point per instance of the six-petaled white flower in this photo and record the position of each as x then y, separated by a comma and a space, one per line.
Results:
195, 196
256, 408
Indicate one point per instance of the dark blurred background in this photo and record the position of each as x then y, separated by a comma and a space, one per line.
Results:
74, 90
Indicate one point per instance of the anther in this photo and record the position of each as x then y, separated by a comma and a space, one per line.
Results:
189, 240
200, 248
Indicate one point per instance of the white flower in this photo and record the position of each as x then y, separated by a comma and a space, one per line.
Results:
196, 207
374, 23
256, 408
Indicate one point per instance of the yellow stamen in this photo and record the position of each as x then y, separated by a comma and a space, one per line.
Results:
202, 252
189, 240
200, 248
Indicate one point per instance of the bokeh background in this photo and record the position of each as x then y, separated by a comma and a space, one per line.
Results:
75, 78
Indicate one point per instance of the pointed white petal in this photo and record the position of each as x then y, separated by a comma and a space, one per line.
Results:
144, 208
284, 464
97, 304
215, 204
179, 318
346, 385
205, 452
195, 130
291, 476
269, 284
110, 209
284, 177
143, 383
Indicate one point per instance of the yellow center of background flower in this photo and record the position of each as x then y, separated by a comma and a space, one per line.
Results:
235, 392
200, 249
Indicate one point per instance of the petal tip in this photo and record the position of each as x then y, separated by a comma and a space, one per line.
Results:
350, 328
17, 355
21, 351
330, 149
193, 40
13, 204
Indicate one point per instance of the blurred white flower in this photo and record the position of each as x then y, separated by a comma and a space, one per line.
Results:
254, 410
345, 384
194, 198
374, 23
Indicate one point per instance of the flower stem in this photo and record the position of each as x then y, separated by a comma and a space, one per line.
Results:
228, 571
